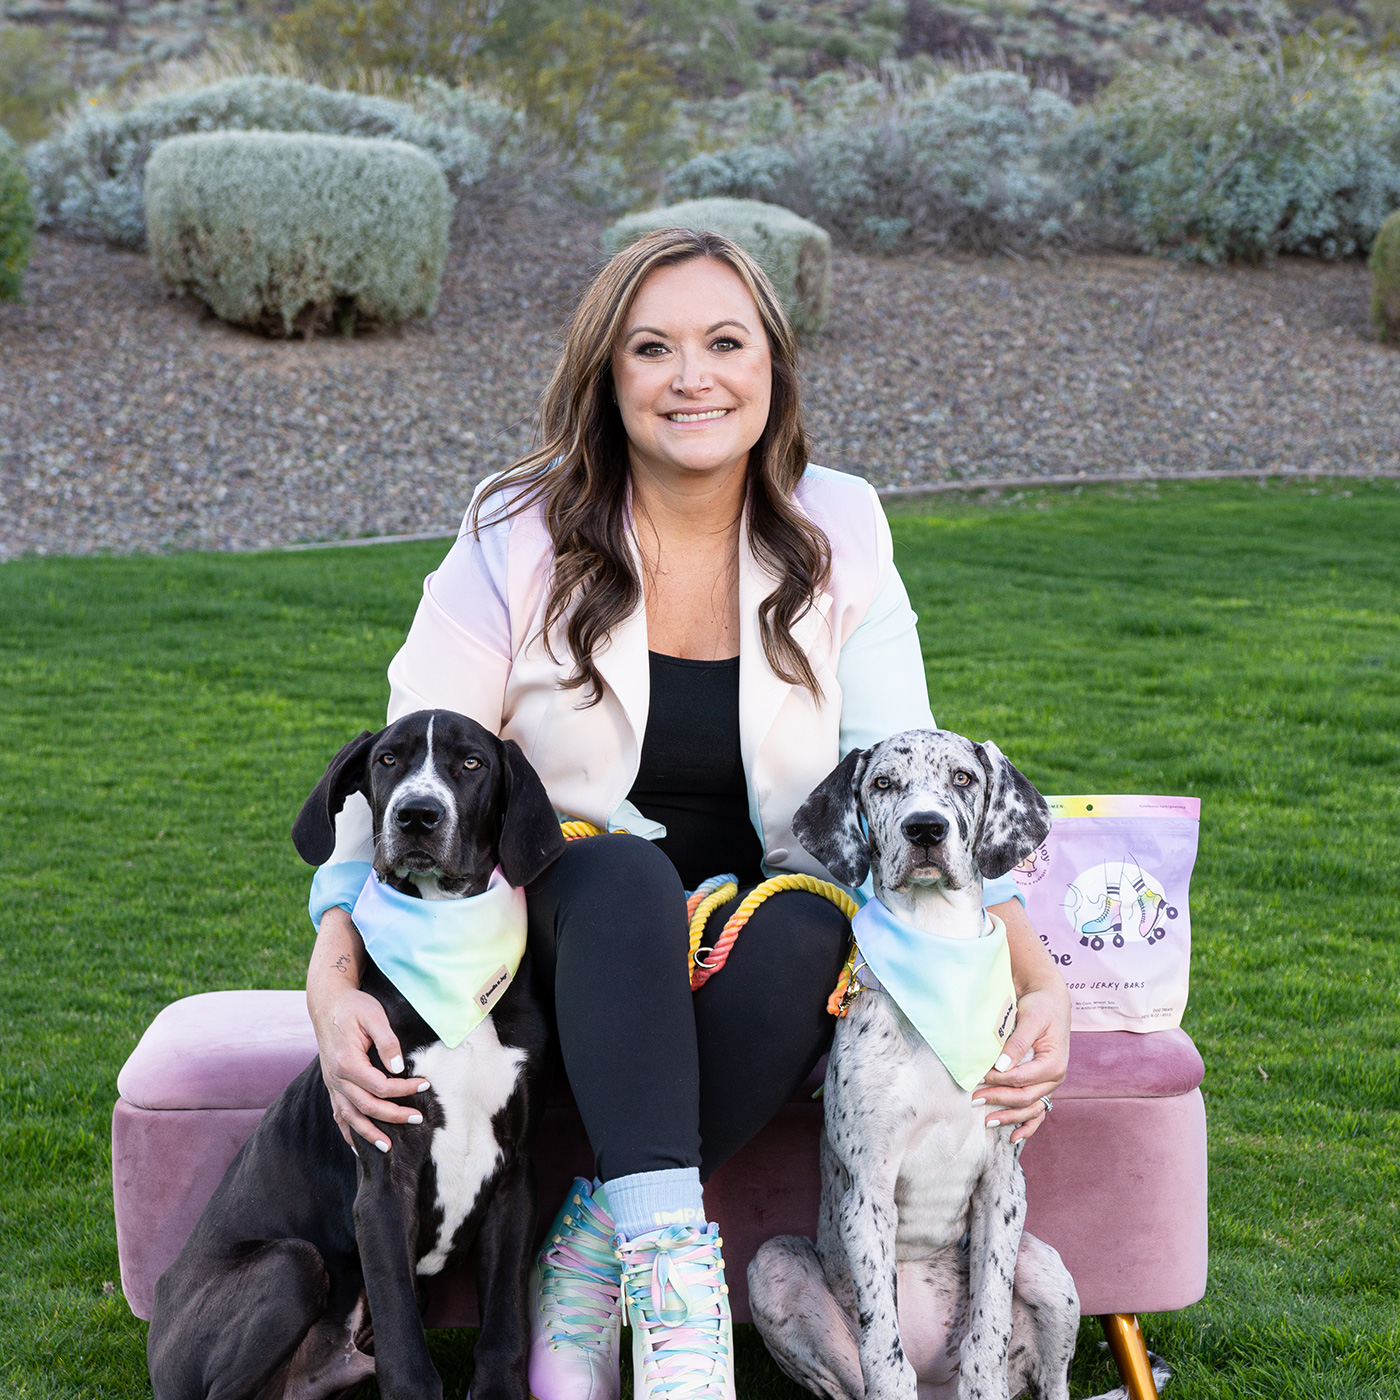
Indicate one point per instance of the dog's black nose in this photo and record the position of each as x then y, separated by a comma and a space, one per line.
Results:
924, 828
421, 815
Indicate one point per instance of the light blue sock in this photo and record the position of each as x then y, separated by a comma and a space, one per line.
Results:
652, 1200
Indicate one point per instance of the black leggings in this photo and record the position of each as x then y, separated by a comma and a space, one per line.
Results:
664, 1077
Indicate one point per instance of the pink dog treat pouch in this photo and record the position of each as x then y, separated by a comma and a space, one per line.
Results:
1108, 893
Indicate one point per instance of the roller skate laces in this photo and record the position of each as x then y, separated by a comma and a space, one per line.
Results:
576, 1311
677, 1305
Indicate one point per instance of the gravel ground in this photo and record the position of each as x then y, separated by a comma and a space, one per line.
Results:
130, 419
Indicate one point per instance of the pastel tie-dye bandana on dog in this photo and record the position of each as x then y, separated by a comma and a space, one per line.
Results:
451, 958
956, 992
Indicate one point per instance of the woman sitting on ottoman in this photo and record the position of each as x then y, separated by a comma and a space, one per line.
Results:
685, 627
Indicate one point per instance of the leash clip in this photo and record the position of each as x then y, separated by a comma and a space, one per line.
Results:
848, 988
853, 989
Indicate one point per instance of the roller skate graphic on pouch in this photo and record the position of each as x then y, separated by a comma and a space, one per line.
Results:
1108, 920
1102, 899
1151, 903
1102, 913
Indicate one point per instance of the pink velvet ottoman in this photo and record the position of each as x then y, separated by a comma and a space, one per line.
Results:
1116, 1178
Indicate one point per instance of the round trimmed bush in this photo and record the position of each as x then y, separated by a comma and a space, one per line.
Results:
289, 231
794, 252
1384, 263
16, 219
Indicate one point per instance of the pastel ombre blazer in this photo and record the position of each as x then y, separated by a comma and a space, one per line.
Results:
476, 647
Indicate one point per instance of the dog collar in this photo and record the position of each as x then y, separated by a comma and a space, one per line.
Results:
956, 992
451, 958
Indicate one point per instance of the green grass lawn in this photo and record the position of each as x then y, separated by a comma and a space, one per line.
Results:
163, 718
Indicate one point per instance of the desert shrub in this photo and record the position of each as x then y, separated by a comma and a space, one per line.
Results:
590, 72
287, 231
1243, 153
746, 172
436, 38
88, 177
16, 219
957, 163
794, 252
703, 45
32, 82
954, 162
466, 108
1384, 263
598, 82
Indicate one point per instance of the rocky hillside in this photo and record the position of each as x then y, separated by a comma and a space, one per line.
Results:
106, 40
1073, 43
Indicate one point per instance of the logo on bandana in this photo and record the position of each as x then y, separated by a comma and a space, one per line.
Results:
492, 988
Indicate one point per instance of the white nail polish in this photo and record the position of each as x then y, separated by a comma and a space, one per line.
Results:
977, 1103
396, 1065
382, 1144
994, 1122
1003, 1064
415, 1118
423, 1086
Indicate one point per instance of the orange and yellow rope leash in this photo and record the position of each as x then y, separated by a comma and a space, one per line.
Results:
719, 889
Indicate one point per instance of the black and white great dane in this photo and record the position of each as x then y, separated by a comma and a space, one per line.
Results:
302, 1277
922, 1283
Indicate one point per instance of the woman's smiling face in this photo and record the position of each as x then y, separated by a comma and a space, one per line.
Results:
692, 371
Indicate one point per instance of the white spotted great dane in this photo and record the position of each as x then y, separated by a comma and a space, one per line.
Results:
922, 1284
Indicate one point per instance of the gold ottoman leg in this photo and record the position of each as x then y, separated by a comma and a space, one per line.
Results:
1129, 1348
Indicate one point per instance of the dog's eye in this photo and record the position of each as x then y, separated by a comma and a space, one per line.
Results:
471, 763
387, 759
882, 781
961, 779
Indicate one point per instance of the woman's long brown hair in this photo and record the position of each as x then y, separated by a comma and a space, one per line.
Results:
579, 469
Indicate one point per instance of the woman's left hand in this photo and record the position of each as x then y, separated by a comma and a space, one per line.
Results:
1019, 1092
1016, 1092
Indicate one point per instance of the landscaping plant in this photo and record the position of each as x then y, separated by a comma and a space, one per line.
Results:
88, 177
33, 85
597, 83
955, 162
702, 44
1384, 263
16, 219
1250, 150
794, 252
292, 231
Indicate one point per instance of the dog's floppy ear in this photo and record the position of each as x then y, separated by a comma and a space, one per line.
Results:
313, 832
1017, 819
828, 822
530, 837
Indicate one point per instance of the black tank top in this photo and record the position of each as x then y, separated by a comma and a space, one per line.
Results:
691, 776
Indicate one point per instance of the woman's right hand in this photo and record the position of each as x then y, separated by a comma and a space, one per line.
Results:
347, 1023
